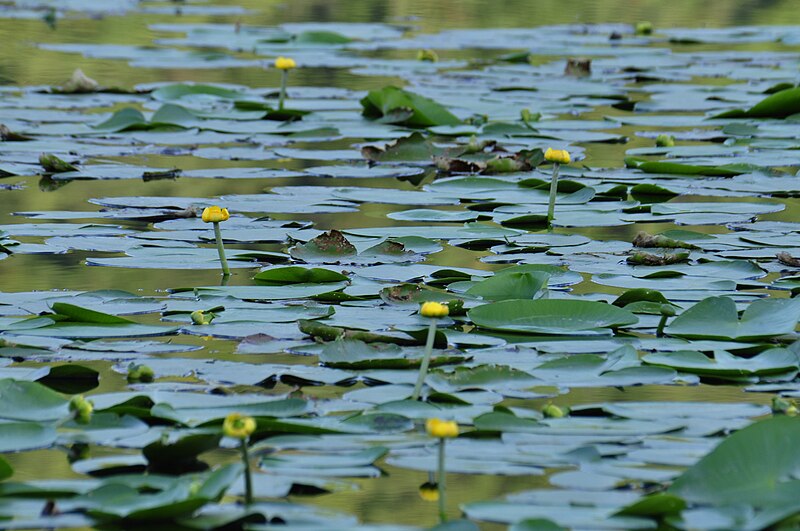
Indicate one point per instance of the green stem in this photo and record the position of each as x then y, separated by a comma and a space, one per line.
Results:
426, 360
551, 205
441, 483
661, 324
284, 77
221, 250
248, 477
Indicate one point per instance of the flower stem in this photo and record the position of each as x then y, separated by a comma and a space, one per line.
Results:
248, 478
661, 324
441, 483
284, 77
426, 360
551, 206
221, 250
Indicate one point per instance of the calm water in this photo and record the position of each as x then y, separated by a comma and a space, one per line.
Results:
22, 64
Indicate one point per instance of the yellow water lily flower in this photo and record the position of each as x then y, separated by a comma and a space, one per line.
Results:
434, 309
285, 63
215, 214
560, 156
238, 426
443, 429
429, 492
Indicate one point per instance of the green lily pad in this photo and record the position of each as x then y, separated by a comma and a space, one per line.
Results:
551, 316
677, 168
717, 318
397, 106
299, 275
778, 105
724, 364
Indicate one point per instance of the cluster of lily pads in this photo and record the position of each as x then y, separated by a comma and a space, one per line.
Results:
665, 266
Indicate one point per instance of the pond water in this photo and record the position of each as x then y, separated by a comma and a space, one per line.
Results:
285, 182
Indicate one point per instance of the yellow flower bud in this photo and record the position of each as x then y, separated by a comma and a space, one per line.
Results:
194, 488
146, 373
81, 409
199, 317
285, 63
443, 429
553, 411
140, 373
786, 406
215, 214
434, 309
643, 27
665, 141
427, 55
560, 156
238, 426
429, 492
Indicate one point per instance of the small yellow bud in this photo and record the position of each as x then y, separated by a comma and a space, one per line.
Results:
285, 63
443, 429
238, 426
201, 318
560, 156
429, 492
427, 55
644, 28
81, 409
146, 374
434, 309
553, 411
133, 373
527, 116
665, 141
194, 488
785, 406
215, 214
140, 373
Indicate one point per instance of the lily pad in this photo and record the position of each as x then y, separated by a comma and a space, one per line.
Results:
397, 106
556, 317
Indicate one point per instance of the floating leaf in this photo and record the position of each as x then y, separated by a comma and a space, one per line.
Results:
354, 354
397, 106
723, 364
510, 285
717, 318
299, 275
677, 168
551, 316
778, 105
